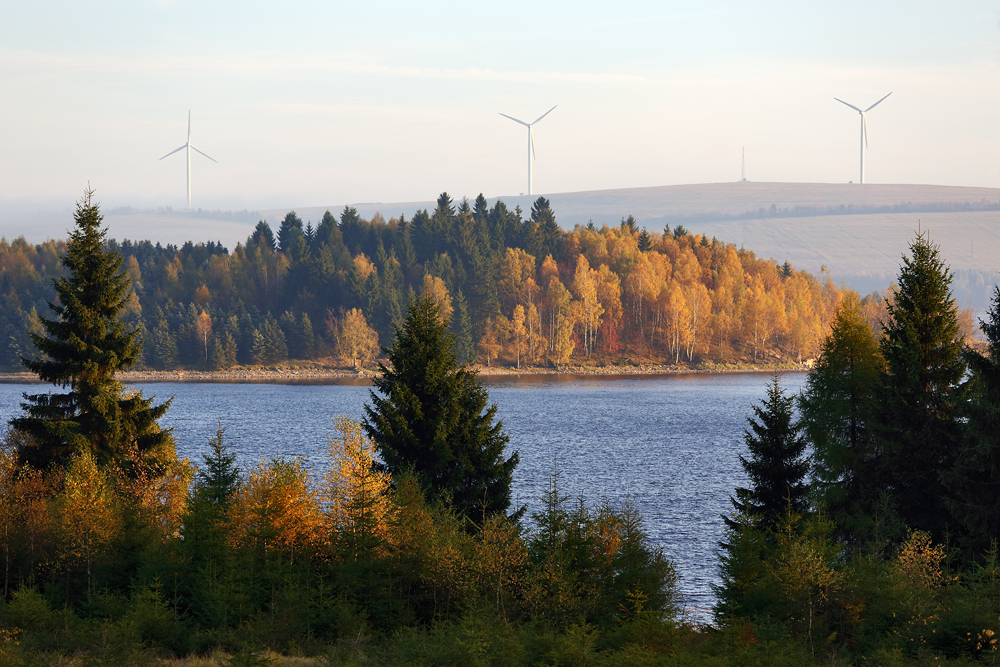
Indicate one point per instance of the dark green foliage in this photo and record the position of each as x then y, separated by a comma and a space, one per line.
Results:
83, 348
742, 567
461, 325
596, 566
786, 268
918, 433
351, 229
290, 229
432, 417
262, 235
645, 242
546, 229
837, 409
974, 481
328, 233
776, 466
219, 478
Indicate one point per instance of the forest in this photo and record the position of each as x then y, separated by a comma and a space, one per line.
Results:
866, 531
519, 290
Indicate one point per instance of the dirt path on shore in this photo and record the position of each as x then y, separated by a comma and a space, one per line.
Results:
291, 374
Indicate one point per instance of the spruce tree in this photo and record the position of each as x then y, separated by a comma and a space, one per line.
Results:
921, 390
432, 417
83, 347
286, 232
836, 414
461, 325
973, 482
776, 466
645, 242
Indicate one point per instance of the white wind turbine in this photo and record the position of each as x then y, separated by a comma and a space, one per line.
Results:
531, 142
864, 130
189, 148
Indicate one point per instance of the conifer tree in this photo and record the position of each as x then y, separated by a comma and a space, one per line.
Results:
776, 466
645, 243
461, 325
432, 417
285, 231
974, 480
83, 347
262, 234
921, 390
836, 409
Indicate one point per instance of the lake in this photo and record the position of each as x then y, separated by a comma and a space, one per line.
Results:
671, 442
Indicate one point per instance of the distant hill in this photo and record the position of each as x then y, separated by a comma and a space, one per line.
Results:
857, 232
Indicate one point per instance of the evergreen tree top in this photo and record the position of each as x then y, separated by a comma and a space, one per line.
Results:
922, 337
91, 295
776, 467
433, 417
83, 348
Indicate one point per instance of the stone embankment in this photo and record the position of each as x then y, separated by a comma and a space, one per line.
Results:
321, 374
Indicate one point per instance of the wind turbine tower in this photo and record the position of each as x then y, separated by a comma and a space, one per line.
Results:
743, 169
531, 143
864, 131
187, 145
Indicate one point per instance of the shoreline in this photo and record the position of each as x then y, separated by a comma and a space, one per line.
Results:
287, 374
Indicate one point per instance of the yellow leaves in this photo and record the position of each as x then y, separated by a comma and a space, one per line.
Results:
585, 282
561, 320
517, 278
363, 266
518, 333
276, 509
500, 556
490, 343
438, 291
86, 516
919, 562
355, 339
156, 502
357, 501
985, 639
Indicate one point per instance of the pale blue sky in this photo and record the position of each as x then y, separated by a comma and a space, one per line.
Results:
315, 103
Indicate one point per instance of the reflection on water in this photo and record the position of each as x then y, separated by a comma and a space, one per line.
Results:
670, 442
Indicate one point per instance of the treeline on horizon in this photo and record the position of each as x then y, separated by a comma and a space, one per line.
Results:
518, 289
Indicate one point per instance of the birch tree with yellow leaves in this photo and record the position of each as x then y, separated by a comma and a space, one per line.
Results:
86, 515
585, 288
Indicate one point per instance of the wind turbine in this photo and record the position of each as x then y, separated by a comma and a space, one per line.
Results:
864, 130
189, 148
531, 142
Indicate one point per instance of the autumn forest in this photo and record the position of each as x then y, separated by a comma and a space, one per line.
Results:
517, 289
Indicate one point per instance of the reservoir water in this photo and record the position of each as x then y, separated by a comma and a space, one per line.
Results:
670, 442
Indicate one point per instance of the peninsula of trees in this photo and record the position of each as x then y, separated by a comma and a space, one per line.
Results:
515, 289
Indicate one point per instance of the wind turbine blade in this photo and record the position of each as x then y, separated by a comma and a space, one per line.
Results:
532, 138
864, 128
515, 120
175, 150
206, 155
850, 105
544, 114
876, 104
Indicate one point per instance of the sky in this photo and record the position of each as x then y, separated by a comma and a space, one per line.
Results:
322, 103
